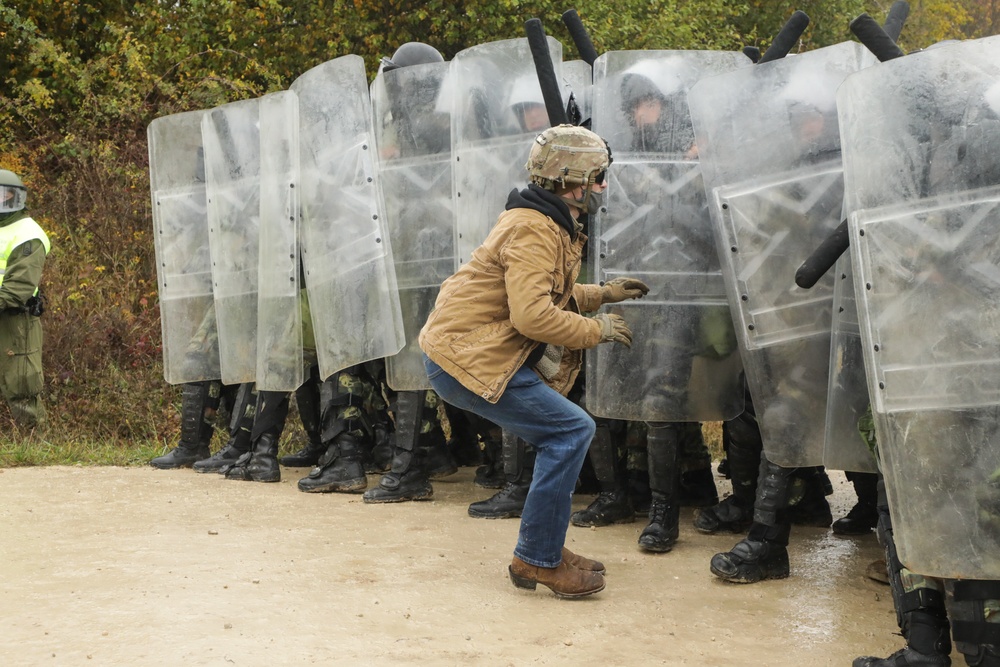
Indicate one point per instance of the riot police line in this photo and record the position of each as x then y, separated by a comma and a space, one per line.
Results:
301, 239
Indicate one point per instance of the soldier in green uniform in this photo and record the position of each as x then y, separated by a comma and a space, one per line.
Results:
23, 248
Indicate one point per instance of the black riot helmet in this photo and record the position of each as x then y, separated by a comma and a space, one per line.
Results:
412, 53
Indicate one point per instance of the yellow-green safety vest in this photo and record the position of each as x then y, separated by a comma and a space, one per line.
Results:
15, 234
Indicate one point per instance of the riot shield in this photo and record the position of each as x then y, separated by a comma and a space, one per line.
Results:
413, 139
847, 397
578, 81
180, 234
346, 252
684, 364
922, 178
492, 86
280, 365
770, 153
232, 169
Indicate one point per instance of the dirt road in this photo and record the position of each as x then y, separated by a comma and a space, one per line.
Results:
135, 566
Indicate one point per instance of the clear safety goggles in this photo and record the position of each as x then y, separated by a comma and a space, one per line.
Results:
12, 198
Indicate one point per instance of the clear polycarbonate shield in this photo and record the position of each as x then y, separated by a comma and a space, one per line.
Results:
847, 397
578, 81
770, 151
346, 252
684, 364
413, 138
280, 364
231, 135
497, 111
922, 174
183, 264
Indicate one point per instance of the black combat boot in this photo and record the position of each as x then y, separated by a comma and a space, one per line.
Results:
197, 400
751, 561
735, 513
508, 502
238, 445
661, 533
928, 644
305, 457
339, 470
407, 478
863, 517
240, 432
764, 552
260, 464
612, 504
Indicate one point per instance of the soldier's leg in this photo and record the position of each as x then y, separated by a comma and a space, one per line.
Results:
199, 401
307, 399
744, 452
519, 466
240, 427
763, 554
260, 464
663, 447
612, 504
437, 455
408, 478
974, 607
920, 607
345, 432
864, 515
490, 475
464, 441
637, 466
697, 481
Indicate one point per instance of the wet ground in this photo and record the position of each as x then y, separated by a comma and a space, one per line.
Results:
135, 566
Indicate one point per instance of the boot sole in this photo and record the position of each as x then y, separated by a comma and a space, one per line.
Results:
764, 576
337, 487
601, 524
373, 500
531, 584
501, 515
442, 472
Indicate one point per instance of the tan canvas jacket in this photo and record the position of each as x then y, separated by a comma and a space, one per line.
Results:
518, 290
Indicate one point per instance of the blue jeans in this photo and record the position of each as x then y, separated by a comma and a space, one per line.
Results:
558, 429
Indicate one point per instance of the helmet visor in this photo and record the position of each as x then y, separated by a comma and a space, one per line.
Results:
12, 198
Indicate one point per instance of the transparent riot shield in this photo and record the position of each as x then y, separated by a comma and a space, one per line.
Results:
578, 81
183, 265
770, 152
413, 139
280, 365
684, 364
232, 168
847, 396
922, 177
346, 252
497, 110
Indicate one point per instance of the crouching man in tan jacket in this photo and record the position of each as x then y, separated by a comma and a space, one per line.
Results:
506, 336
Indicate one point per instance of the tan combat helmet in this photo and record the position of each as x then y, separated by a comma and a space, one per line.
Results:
567, 156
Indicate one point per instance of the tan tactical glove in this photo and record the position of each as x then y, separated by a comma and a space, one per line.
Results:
614, 329
620, 289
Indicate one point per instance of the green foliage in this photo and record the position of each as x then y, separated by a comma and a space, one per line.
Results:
82, 79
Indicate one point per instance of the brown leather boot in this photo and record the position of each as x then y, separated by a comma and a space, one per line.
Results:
565, 581
581, 562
